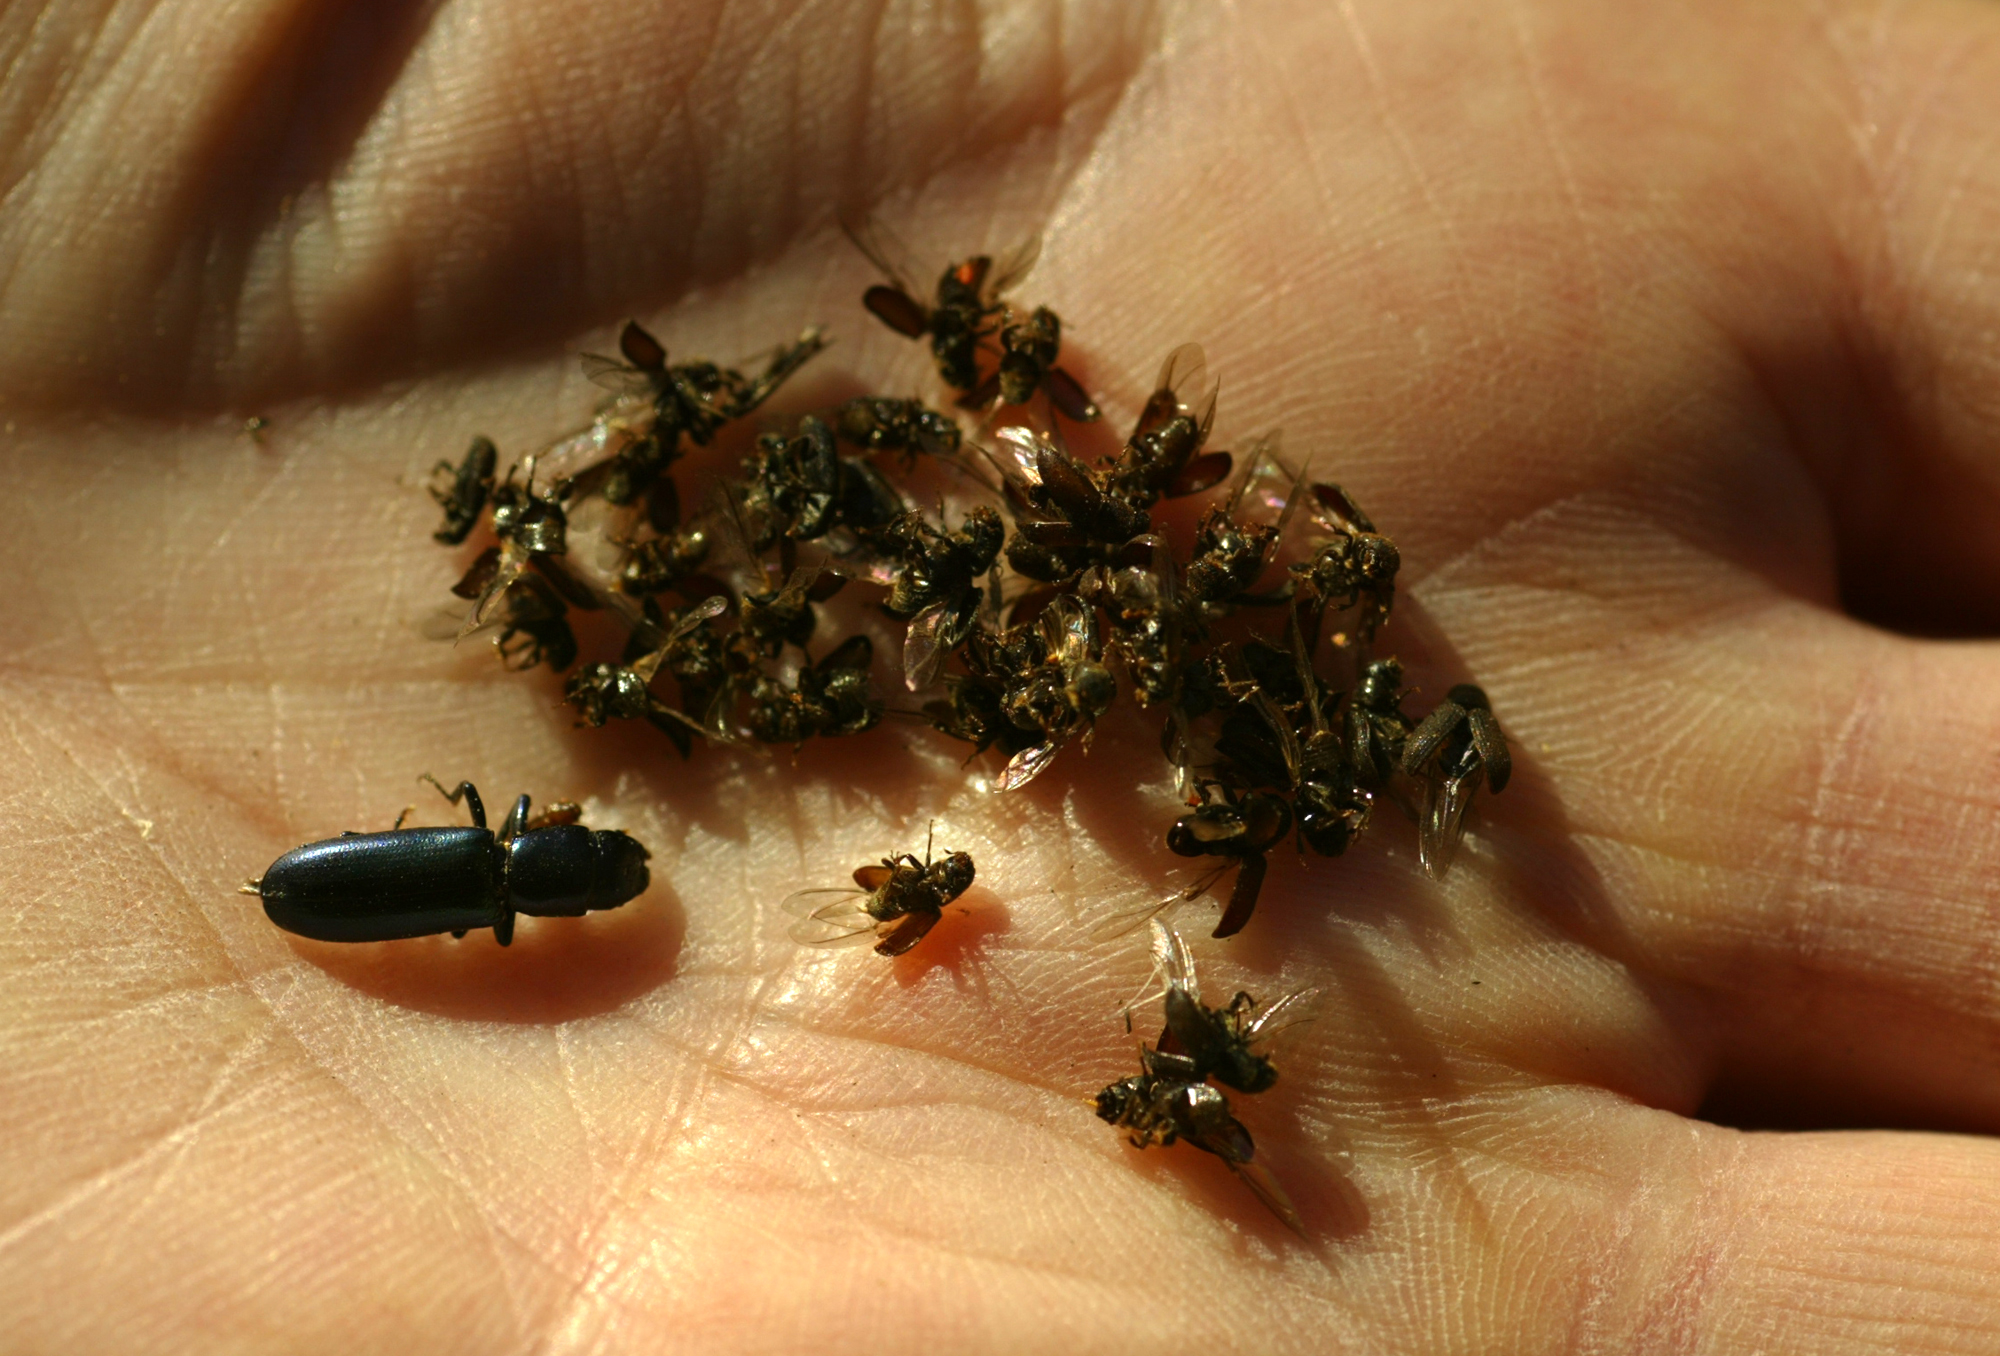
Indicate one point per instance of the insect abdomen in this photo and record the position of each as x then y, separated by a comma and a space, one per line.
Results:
377, 887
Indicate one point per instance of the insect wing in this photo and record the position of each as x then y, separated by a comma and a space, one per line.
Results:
894, 936
1066, 393
613, 375
1336, 510
923, 656
1027, 765
1011, 269
1266, 1189
873, 878
1024, 446
512, 563
1242, 897
1492, 747
1294, 1009
829, 917
1205, 472
882, 248
1444, 822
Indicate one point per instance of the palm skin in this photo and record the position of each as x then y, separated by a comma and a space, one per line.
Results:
1663, 343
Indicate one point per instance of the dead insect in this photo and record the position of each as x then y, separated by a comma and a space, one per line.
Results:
1171, 1099
692, 400
378, 887
1218, 1041
533, 532
606, 692
462, 491
971, 710
1230, 554
1163, 457
1061, 696
784, 616
1455, 747
1329, 806
1356, 564
886, 424
531, 619
1376, 725
936, 590
894, 903
967, 307
829, 698
1065, 520
1028, 350
669, 557
1239, 827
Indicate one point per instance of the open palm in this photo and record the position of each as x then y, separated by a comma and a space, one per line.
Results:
1665, 340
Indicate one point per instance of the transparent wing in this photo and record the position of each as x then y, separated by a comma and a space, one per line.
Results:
1292, 1010
831, 917
882, 248
1011, 269
447, 623
1024, 448
614, 375
1183, 374
1027, 765
1444, 822
1266, 1189
1123, 922
513, 561
923, 656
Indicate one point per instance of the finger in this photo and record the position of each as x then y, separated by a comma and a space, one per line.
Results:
1787, 813
315, 195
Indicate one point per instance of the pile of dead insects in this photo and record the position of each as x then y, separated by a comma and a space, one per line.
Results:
1025, 619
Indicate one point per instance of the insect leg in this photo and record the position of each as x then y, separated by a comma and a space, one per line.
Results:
465, 791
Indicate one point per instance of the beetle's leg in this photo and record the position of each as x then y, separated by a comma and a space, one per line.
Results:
503, 931
517, 820
465, 791
407, 811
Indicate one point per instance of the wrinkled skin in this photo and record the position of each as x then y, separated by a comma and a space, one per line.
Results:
1662, 339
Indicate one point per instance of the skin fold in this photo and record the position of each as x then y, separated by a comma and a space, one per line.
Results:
1664, 340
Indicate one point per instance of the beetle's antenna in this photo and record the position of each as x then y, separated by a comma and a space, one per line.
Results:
252, 886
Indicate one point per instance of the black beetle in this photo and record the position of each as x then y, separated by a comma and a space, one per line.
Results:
376, 887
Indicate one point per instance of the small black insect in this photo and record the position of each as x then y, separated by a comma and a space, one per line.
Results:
377, 887
1454, 749
1028, 350
1229, 552
1376, 725
1240, 827
826, 699
1163, 457
692, 400
1065, 519
462, 491
967, 307
1171, 1099
1356, 564
1219, 1040
894, 903
607, 692
937, 588
886, 424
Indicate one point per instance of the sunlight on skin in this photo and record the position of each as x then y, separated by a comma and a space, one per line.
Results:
1650, 334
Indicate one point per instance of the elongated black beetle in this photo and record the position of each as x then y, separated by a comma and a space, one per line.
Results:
376, 887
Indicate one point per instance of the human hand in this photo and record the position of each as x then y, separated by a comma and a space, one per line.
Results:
1662, 341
